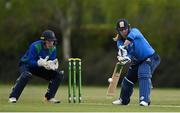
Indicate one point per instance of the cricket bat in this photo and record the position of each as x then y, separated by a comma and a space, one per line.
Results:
115, 78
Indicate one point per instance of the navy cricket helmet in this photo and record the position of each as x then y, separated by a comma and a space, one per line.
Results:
122, 24
48, 35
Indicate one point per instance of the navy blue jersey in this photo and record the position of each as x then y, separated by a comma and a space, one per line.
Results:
37, 50
139, 49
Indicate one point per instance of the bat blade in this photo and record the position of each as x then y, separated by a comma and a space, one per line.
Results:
115, 79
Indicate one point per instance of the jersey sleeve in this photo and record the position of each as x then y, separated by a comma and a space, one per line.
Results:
119, 43
131, 36
32, 55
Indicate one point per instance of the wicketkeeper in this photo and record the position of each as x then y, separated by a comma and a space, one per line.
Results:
135, 49
40, 60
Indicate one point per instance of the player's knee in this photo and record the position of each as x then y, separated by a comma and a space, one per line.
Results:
126, 83
60, 75
144, 75
26, 75
144, 70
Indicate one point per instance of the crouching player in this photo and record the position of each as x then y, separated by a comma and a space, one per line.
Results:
134, 48
40, 60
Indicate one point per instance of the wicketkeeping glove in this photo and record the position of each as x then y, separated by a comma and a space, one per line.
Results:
52, 64
42, 62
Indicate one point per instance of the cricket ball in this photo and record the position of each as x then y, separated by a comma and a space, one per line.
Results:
110, 80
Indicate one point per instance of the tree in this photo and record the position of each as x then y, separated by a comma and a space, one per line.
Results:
67, 17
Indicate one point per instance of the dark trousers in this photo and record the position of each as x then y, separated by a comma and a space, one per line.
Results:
26, 72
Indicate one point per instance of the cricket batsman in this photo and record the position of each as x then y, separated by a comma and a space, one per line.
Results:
135, 49
40, 60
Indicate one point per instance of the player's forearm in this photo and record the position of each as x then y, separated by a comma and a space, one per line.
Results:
126, 43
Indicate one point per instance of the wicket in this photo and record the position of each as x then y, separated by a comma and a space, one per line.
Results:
74, 71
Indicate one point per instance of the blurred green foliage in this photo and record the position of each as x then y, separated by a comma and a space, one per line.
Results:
22, 22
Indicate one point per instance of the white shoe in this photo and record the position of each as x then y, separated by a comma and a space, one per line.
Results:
12, 100
53, 100
143, 103
117, 102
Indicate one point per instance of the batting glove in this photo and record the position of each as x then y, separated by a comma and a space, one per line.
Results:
123, 60
122, 51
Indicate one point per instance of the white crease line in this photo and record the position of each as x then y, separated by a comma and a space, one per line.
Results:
101, 104
165, 106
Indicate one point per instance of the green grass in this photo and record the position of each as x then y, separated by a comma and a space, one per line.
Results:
94, 100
